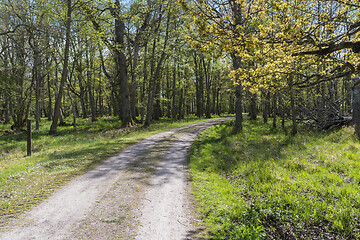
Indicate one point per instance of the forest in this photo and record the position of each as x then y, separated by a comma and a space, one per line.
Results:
95, 59
287, 71
144, 60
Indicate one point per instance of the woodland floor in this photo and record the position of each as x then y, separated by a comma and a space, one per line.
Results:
141, 193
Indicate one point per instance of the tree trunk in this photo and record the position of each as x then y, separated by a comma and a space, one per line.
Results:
37, 72
253, 106
238, 96
145, 76
7, 109
6, 94
73, 109
101, 102
356, 107
134, 66
121, 70
266, 106
157, 113
208, 86
238, 106
150, 100
214, 90
231, 104
114, 103
274, 109
2, 114
181, 115
347, 94
292, 106
90, 69
18, 77
156, 74
282, 111
168, 93
199, 87
64, 105
91, 97
150, 104
61, 119
173, 108
82, 94
237, 14
43, 109
53, 127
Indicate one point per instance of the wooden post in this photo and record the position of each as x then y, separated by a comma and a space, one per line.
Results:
29, 137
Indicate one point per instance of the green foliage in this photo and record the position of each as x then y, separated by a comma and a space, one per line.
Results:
262, 183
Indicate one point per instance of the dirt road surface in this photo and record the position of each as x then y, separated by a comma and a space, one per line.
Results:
141, 193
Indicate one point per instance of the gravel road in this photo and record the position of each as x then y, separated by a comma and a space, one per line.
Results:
141, 193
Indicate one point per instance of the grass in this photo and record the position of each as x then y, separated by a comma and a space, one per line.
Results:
264, 184
25, 181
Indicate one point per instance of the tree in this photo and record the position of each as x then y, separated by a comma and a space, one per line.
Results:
56, 63
219, 26
157, 66
64, 74
117, 47
146, 16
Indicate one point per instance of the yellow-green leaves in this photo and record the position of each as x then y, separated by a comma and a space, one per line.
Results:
267, 36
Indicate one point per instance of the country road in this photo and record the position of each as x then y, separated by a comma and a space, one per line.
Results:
141, 193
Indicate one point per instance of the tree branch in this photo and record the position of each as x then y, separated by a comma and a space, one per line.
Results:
355, 46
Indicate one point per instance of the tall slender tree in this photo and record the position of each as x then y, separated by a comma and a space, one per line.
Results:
64, 74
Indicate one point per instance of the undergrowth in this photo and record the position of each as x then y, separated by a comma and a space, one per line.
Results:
264, 184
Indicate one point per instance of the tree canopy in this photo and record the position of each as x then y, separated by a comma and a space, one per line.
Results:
146, 59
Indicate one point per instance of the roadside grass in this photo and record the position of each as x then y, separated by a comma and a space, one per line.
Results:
264, 184
25, 181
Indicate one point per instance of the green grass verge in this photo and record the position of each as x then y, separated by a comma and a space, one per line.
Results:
264, 184
25, 181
